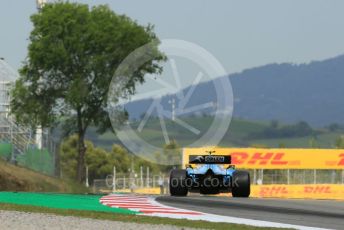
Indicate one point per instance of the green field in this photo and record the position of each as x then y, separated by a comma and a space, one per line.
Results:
238, 135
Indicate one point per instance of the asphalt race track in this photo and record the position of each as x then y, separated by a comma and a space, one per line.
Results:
311, 213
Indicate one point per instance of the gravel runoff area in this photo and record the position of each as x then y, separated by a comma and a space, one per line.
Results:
31, 221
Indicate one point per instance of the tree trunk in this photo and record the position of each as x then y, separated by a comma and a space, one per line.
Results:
81, 169
81, 158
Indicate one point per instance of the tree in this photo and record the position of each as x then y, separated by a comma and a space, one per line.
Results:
68, 157
171, 153
340, 142
274, 124
73, 55
99, 161
334, 127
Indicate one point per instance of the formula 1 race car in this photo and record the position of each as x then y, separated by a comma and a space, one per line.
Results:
210, 174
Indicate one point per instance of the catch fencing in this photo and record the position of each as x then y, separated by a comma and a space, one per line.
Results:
18, 146
296, 176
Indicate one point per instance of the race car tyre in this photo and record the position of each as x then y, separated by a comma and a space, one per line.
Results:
178, 183
241, 184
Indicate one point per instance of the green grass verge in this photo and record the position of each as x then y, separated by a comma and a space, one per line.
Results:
60, 201
126, 218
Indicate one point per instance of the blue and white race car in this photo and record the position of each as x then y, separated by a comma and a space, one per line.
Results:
210, 174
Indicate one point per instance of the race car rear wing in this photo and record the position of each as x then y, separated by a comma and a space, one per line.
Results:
210, 159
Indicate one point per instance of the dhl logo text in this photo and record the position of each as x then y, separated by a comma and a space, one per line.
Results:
273, 191
317, 189
258, 158
341, 161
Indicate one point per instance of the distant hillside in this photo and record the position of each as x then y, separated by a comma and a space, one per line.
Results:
285, 92
241, 133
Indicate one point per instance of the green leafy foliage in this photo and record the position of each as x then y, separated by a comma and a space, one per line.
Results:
99, 161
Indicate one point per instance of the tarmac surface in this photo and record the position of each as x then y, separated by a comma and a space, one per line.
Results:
312, 213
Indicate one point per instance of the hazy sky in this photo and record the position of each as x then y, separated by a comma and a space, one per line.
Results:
241, 34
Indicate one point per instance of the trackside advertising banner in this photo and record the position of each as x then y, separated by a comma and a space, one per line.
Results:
307, 191
255, 158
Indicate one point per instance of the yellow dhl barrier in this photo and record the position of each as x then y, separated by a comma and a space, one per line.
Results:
305, 191
255, 158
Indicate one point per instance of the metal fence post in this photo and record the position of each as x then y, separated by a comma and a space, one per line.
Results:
13, 146
304, 177
87, 184
333, 177
141, 176
147, 178
315, 176
288, 176
114, 179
